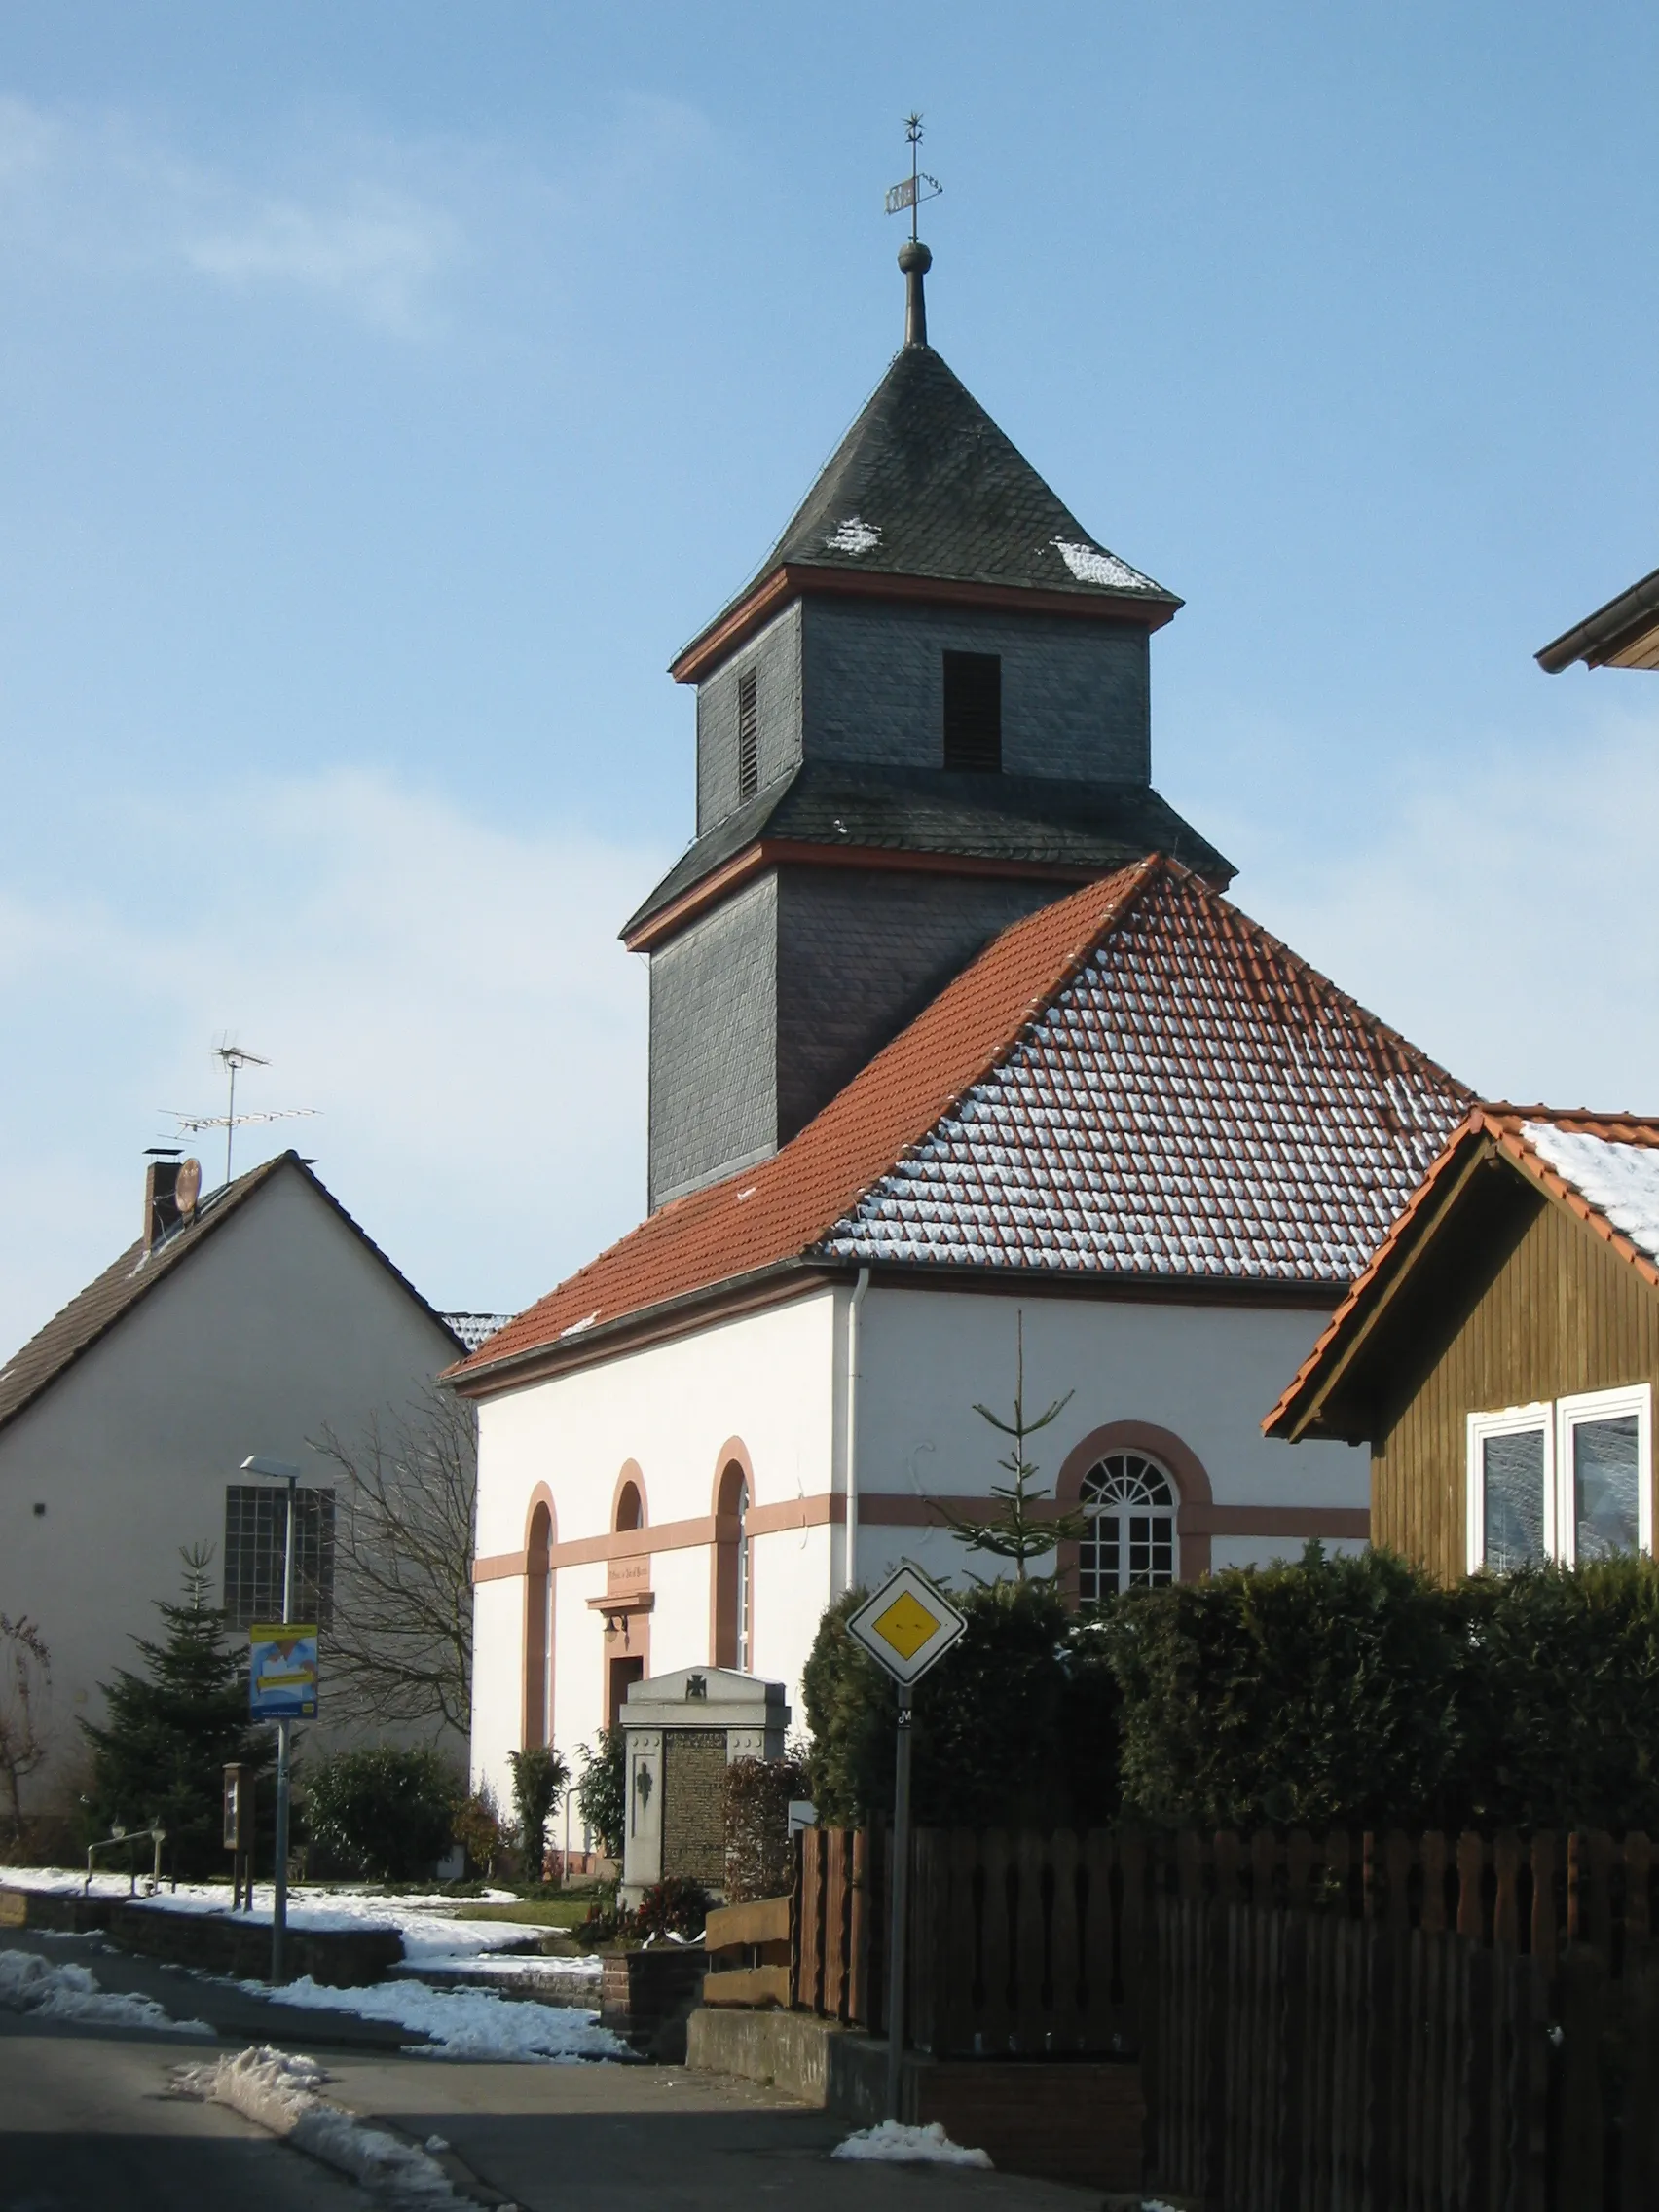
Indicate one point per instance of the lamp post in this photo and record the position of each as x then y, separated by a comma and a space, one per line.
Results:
282, 1471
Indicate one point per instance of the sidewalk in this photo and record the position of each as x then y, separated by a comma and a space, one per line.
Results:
592, 2138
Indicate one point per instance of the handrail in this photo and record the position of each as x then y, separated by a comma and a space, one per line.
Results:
158, 1837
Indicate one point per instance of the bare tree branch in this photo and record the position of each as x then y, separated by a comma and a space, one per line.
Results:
26, 1710
400, 1650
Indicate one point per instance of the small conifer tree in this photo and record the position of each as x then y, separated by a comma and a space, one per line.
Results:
1014, 1531
170, 1730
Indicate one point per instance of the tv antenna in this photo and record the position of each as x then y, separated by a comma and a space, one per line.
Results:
910, 191
232, 1058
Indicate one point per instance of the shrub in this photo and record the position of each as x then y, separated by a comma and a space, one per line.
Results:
1305, 1695
677, 1905
757, 1795
479, 1829
601, 1792
538, 1775
1561, 1698
1016, 1727
385, 1813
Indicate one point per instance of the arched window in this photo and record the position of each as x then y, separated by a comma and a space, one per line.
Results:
538, 1629
733, 1572
1130, 1504
629, 1512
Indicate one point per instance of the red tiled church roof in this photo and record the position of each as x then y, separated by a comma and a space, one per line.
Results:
1135, 1080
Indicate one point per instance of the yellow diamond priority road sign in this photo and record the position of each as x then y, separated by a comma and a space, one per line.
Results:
906, 1625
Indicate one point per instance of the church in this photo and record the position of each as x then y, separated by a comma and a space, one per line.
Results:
957, 1046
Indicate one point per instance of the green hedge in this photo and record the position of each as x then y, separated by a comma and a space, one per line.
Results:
1015, 1728
1300, 1696
1348, 1692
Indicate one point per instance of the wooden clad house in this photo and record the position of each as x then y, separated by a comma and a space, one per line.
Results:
1500, 1351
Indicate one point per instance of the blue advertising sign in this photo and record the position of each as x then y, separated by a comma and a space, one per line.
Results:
281, 1671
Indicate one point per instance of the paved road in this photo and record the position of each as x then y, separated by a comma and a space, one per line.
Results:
86, 2126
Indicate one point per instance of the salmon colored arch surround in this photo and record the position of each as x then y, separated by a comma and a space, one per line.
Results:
723, 1559
630, 1476
1162, 1444
540, 1495
733, 1452
536, 1680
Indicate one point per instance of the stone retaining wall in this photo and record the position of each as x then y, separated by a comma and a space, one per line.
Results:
217, 1942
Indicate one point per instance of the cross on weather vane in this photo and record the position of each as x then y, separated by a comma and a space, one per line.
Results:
909, 193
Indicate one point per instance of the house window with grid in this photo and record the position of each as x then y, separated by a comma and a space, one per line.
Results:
1569, 1479
973, 713
256, 1528
1129, 1503
748, 736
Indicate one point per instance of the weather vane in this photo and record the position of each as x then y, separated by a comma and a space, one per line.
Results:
909, 193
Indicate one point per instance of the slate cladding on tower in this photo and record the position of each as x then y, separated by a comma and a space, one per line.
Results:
926, 716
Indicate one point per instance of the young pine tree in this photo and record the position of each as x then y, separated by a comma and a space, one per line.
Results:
1014, 1530
157, 1761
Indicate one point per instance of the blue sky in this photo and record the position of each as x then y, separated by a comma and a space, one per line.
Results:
387, 391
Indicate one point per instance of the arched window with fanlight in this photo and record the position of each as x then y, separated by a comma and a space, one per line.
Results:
1129, 1505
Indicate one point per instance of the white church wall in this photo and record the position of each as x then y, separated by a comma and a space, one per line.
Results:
498, 1682
793, 1581
775, 1379
768, 1381
1206, 1373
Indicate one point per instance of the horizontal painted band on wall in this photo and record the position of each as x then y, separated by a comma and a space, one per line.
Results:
895, 1509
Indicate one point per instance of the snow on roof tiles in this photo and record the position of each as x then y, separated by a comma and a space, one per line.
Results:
1618, 1178
1136, 1081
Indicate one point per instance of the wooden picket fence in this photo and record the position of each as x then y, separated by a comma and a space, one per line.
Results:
1351, 2023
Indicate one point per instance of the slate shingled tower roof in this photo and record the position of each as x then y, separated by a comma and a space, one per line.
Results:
929, 713
1136, 1085
926, 485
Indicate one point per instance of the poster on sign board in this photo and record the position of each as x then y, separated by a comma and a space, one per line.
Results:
281, 1671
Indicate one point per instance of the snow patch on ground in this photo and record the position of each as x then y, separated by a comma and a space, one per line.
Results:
431, 1926
30, 1983
892, 2143
1089, 566
278, 2089
464, 2023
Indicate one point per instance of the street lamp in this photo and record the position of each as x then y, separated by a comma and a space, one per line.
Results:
280, 1471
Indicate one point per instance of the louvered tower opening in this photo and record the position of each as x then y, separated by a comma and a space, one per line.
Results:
973, 713
747, 737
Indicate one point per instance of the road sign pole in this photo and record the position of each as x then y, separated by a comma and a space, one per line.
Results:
899, 1929
280, 1894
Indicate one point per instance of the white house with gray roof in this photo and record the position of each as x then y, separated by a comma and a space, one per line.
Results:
248, 1322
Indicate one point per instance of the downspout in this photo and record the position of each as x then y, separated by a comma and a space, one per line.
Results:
852, 1524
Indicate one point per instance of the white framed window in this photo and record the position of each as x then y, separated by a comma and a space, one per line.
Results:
1129, 1502
1604, 1473
1511, 1461
1569, 1479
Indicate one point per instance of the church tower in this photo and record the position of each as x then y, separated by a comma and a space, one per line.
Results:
927, 714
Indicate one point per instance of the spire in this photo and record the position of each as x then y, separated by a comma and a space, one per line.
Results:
915, 261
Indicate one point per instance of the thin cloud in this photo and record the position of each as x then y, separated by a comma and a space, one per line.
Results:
1502, 917
379, 253
371, 224
448, 996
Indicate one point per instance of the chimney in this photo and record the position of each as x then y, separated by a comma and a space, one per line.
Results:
170, 1190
